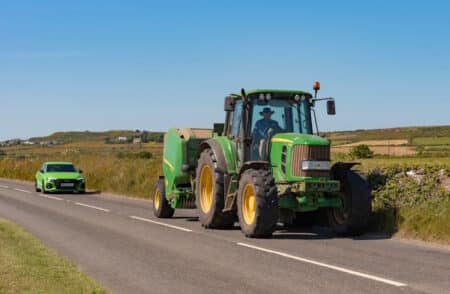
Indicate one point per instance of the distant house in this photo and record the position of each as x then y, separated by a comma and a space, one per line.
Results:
137, 140
28, 142
122, 139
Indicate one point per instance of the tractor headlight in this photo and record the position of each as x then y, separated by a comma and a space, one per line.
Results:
316, 165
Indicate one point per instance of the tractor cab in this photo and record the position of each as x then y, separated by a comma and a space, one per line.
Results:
255, 117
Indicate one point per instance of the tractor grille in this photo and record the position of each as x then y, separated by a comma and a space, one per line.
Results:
307, 152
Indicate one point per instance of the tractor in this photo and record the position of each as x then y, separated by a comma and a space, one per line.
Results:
264, 166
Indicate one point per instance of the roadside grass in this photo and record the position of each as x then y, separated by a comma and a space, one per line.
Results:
428, 221
27, 266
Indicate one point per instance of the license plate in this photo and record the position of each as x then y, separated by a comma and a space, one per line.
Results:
66, 185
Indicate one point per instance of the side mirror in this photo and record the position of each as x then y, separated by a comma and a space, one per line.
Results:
42, 171
331, 107
229, 104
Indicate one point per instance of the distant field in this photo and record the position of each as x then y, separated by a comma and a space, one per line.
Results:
431, 140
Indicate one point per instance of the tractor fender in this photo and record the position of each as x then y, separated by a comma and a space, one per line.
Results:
218, 154
254, 165
342, 167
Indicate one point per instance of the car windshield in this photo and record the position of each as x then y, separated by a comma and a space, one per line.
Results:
68, 168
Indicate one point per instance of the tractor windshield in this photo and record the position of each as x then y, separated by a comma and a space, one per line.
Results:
271, 117
280, 116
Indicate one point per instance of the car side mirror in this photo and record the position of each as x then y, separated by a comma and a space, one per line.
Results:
42, 171
229, 104
331, 107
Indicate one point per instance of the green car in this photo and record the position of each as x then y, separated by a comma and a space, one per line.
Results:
60, 177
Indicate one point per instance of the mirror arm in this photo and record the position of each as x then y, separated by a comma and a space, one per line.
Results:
323, 99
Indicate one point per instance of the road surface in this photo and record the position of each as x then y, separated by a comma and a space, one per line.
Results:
118, 242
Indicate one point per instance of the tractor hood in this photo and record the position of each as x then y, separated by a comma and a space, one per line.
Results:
300, 139
64, 175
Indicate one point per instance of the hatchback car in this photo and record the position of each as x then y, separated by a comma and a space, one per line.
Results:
60, 177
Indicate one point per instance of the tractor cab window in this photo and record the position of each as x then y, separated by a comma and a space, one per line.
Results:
236, 120
273, 117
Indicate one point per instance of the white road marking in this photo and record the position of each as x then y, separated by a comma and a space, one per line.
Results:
91, 206
159, 223
24, 191
49, 197
5, 187
321, 264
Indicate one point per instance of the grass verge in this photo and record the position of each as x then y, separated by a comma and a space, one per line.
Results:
428, 222
27, 266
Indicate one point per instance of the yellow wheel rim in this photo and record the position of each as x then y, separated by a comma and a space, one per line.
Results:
206, 188
157, 199
248, 204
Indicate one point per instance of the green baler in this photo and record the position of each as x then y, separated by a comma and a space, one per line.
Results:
262, 166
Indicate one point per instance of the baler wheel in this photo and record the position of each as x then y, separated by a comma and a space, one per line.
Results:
161, 207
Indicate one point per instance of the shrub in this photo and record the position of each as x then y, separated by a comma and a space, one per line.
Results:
361, 151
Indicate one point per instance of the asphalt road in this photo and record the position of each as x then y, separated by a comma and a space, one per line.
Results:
118, 242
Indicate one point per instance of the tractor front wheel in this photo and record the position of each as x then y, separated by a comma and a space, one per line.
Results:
161, 207
354, 215
257, 204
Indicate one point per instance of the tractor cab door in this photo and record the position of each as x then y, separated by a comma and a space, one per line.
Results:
235, 132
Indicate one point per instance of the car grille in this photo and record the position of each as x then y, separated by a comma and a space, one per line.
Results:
61, 187
308, 152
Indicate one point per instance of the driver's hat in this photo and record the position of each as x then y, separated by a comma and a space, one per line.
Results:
266, 110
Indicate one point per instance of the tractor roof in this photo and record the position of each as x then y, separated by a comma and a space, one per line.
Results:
276, 92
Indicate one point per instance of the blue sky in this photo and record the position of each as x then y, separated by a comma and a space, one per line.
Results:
100, 65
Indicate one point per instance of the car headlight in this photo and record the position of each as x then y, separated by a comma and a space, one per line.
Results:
316, 165
81, 179
51, 180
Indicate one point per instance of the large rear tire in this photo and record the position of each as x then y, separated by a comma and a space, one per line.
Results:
356, 199
257, 204
161, 207
210, 195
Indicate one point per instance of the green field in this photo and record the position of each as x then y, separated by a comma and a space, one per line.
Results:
27, 266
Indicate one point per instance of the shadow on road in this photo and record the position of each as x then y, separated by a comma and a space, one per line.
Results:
321, 233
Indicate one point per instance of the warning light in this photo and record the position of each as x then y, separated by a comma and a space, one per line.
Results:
316, 86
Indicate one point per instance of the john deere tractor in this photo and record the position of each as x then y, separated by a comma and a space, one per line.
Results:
263, 166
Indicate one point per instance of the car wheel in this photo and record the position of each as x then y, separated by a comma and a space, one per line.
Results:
36, 186
43, 188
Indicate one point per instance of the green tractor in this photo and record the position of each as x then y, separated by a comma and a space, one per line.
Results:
264, 165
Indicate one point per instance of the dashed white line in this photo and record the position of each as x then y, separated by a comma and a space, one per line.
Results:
159, 223
49, 197
4, 187
321, 264
92, 206
23, 191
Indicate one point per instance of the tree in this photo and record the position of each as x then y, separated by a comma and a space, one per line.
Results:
361, 151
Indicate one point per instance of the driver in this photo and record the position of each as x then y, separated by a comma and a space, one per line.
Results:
264, 124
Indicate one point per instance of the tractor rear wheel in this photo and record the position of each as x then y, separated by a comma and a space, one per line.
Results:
354, 215
161, 207
210, 195
257, 203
